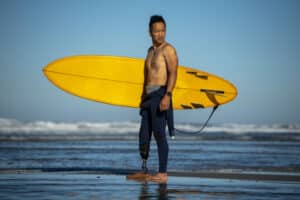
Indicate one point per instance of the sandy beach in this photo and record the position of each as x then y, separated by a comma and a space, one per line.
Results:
37, 184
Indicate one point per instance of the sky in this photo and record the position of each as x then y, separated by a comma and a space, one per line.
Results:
254, 44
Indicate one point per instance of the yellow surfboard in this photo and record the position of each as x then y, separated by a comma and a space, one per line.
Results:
119, 81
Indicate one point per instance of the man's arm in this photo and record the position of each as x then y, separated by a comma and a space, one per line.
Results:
172, 64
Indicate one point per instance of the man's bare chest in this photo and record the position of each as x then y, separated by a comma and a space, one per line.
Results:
155, 60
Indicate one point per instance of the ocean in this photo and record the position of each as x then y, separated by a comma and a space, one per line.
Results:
226, 161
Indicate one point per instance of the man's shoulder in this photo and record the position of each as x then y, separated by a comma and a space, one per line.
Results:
169, 47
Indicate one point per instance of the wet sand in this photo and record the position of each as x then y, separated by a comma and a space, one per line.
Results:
32, 170
290, 177
101, 184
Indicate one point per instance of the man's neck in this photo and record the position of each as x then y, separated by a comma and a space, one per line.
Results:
156, 45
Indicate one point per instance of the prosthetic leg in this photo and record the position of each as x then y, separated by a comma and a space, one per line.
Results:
144, 166
144, 152
143, 175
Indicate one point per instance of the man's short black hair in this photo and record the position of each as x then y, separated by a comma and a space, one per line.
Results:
154, 19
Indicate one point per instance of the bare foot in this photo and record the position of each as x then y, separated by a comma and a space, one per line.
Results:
158, 178
138, 176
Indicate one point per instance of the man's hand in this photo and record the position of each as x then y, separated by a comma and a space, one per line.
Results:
165, 103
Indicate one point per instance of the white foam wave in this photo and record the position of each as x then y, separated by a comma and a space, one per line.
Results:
16, 126
253, 128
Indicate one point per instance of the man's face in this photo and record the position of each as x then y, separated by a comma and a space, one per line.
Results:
158, 33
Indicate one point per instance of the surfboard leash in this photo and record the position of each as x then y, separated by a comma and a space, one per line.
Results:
203, 126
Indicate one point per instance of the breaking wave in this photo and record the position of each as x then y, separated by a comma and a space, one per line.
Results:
16, 126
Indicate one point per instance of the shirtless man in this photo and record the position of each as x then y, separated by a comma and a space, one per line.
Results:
160, 75
161, 62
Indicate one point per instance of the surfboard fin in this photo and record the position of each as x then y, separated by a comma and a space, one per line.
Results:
215, 92
186, 106
205, 77
197, 105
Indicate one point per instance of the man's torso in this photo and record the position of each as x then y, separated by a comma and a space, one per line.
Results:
156, 66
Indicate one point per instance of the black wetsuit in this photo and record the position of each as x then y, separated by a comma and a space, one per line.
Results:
154, 120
